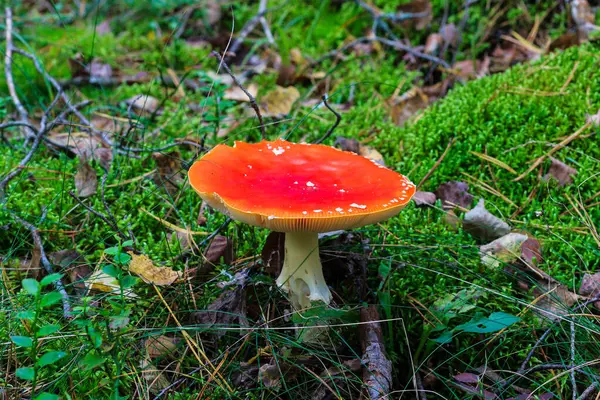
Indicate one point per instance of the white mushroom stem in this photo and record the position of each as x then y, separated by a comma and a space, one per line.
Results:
302, 273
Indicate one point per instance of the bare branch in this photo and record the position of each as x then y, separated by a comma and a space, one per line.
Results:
10, 82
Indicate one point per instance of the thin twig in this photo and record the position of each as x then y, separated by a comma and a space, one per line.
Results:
573, 380
8, 58
245, 31
395, 44
253, 103
262, 7
99, 215
588, 392
437, 163
338, 119
58, 285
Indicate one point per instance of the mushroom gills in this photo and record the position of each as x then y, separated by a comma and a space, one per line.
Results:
302, 273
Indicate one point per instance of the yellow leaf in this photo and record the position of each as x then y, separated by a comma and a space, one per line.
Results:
103, 282
279, 102
142, 266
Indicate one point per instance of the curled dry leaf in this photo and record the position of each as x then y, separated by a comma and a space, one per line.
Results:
450, 34
143, 267
98, 71
235, 93
86, 180
143, 102
80, 144
420, 7
347, 144
407, 105
468, 69
590, 286
561, 172
483, 225
433, 43
228, 310
75, 266
279, 102
502, 250
371, 153
467, 377
423, 199
219, 247
454, 194
156, 379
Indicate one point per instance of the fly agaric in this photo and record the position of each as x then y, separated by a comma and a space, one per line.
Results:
301, 190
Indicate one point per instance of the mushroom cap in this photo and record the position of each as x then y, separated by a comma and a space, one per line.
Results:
290, 187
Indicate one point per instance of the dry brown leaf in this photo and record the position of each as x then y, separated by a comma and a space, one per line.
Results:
228, 310
143, 102
79, 143
450, 34
407, 105
86, 180
279, 102
273, 253
168, 172
75, 266
371, 154
483, 225
583, 15
468, 69
143, 267
423, 199
502, 250
433, 43
160, 346
417, 7
219, 247
454, 193
561, 172
556, 301
235, 93
347, 144
156, 379
98, 71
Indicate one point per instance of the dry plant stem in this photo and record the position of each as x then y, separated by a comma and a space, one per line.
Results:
587, 393
437, 163
8, 58
99, 215
253, 103
338, 119
377, 369
573, 380
262, 7
390, 43
58, 285
245, 31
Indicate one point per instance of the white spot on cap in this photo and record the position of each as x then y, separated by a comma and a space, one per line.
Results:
350, 210
278, 151
317, 211
295, 183
249, 166
361, 206
342, 190
385, 205
310, 184
304, 212
340, 210
270, 217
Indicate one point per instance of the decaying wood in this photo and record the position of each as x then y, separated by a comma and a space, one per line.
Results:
377, 369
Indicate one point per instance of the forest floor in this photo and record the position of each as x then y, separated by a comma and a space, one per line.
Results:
119, 282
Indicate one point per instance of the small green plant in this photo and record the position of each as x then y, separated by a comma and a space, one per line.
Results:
41, 360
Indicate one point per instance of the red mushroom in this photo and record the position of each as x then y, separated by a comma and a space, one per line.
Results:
299, 189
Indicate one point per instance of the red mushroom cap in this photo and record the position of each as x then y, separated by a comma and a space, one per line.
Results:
290, 187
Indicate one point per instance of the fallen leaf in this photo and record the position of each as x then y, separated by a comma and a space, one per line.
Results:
483, 225
168, 172
433, 43
103, 282
531, 252
590, 286
98, 72
75, 266
423, 199
503, 250
269, 376
450, 34
80, 144
279, 102
228, 310
235, 93
143, 102
556, 301
454, 194
156, 379
347, 144
416, 7
467, 377
371, 154
467, 69
407, 105
86, 180
583, 16
246, 376
564, 41
561, 172
160, 346
143, 267
219, 247
103, 28
273, 253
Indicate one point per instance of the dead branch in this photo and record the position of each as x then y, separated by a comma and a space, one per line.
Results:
99, 215
378, 16
262, 7
10, 82
338, 119
377, 369
58, 285
245, 31
253, 103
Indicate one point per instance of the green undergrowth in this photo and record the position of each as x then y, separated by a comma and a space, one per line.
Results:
513, 117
